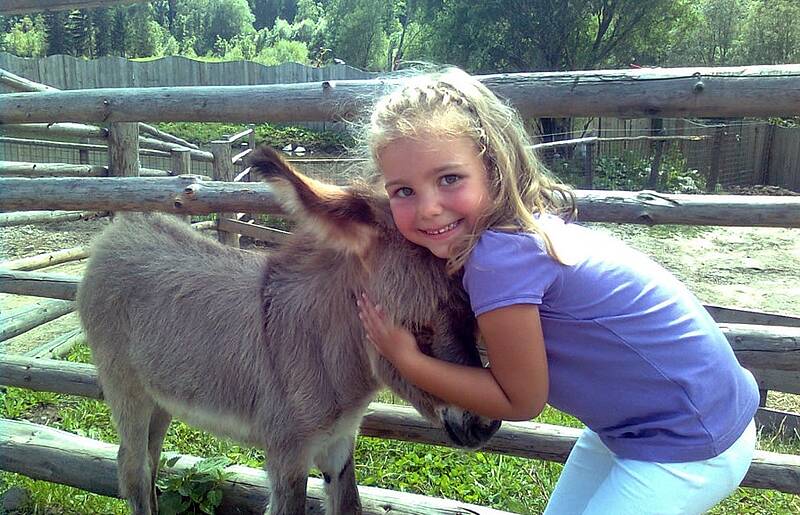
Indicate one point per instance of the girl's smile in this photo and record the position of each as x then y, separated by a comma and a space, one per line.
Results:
437, 188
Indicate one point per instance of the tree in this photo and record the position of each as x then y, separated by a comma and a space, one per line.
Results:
26, 37
55, 26
81, 32
772, 33
358, 31
103, 31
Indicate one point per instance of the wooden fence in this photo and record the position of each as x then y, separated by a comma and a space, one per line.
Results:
767, 344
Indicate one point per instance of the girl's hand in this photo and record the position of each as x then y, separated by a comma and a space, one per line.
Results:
392, 342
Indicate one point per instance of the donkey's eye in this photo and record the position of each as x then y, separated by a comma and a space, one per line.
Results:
403, 192
447, 180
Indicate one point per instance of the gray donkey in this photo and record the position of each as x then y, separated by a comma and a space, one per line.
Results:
267, 349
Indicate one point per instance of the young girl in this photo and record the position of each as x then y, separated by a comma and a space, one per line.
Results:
568, 316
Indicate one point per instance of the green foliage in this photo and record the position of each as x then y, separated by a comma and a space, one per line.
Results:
26, 38
277, 136
631, 171
196, 490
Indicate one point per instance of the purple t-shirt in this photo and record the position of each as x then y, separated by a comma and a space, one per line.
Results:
631, 352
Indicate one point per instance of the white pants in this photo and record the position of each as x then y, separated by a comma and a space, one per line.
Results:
595, 481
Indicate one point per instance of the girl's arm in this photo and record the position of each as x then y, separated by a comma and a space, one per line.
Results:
514, 388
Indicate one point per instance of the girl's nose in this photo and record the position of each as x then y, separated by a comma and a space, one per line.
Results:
429, 206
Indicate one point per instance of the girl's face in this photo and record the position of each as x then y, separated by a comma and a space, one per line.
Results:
437, 189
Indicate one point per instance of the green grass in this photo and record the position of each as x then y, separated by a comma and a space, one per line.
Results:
502, 482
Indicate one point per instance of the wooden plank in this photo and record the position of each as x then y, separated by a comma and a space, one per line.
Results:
58, 346
768, 470
52, 286
45, 260
255, 231
765, 347
786, 381
223, 171
23, 169
722, 314
189, 195
23, 319
50, 454
753, 91
36, 217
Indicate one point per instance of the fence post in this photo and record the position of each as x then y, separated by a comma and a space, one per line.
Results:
716, 148
223, 171
251, 138
761, 175
182, 165
123, 149
588, 164
656, 129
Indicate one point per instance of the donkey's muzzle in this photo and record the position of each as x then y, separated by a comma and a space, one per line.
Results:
468, 430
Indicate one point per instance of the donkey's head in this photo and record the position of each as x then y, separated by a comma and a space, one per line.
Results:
409, 282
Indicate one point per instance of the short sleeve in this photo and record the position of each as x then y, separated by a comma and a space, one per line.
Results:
508, 268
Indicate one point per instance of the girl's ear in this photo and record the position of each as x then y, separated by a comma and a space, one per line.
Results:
339, 217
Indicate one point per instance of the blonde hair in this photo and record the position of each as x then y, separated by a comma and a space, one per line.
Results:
450, 103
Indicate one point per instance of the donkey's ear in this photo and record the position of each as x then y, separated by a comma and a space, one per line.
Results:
338, 216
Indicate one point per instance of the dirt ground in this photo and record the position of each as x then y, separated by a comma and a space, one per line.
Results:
748, 268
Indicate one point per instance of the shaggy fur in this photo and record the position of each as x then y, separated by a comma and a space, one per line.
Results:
267, 350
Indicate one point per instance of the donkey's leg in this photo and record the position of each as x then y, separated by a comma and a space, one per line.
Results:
133, 461
131, 409
336, 464
288, 477
159, 423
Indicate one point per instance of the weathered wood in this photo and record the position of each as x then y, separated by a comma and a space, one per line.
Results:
766, 347
9, 7
223, 171
36, 217
255, 231
57, 130
31, 170
23, 319
50, 375
787, 381
769, 470
652, 208
165, 136
53, 455
190, 195
23, 169
75, 146
123, 150
754, 91
725, 315
37, 284
45, 260
22, 84
199, 155
58, 346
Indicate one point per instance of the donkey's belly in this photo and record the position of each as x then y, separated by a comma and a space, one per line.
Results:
214, 421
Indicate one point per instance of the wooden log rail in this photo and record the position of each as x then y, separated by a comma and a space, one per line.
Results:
756, 91
22, 84
524, 439
41, 452
191, 195
31, 170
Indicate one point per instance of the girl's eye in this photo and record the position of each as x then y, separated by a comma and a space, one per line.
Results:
403, 192
447, 180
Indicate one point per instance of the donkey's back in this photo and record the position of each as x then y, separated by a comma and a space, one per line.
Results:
175, 316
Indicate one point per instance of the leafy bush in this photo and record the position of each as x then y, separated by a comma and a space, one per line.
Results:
277, 136
197, 490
